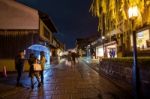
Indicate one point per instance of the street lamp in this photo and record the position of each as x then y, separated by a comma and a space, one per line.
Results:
103, 38
133, 13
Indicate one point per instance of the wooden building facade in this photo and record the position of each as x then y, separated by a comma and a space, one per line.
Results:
23, 28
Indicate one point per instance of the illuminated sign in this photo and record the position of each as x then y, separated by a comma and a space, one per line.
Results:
140, 35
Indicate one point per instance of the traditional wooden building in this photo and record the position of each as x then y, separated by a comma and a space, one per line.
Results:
23, 28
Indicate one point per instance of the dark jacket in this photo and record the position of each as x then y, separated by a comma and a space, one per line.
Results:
19, 63
31, 62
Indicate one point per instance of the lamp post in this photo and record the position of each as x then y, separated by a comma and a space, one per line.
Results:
103, 38
133, 13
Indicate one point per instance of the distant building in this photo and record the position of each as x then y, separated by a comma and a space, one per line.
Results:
84, 46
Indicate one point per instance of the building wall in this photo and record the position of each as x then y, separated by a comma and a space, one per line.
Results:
12, 42
20, 27
45, 32
10, 65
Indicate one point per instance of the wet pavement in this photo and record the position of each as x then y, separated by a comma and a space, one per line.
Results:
94, 64
63, 81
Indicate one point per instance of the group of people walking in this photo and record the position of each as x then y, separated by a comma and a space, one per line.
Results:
33, 60
72, 57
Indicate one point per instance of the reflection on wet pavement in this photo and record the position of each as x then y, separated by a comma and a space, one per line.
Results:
68, 82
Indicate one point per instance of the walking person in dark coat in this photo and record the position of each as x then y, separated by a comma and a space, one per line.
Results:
19, 65
31, 71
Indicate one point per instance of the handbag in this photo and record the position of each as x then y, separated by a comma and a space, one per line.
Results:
37, 67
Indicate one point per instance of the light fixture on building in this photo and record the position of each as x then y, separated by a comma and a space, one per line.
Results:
103, 37
133, 12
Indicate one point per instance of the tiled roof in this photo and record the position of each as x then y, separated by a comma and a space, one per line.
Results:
14, 15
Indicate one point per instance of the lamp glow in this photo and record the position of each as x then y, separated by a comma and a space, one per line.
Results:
103, 37
133, 12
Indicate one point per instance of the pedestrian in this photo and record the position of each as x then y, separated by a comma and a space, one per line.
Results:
77, 57
31, 70
113, 53
69, 59
42, 62
110, 53
19, 65
35, 73
73, 55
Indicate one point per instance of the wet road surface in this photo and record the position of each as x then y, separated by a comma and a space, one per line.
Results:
63, 81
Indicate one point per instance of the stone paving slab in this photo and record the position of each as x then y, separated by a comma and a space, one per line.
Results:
68, 82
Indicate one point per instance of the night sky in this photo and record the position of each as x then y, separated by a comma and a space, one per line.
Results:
71, 18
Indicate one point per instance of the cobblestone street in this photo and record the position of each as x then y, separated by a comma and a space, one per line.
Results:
64, 82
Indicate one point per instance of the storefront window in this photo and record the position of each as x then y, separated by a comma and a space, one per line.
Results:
99, 51
143, 39
111, 51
